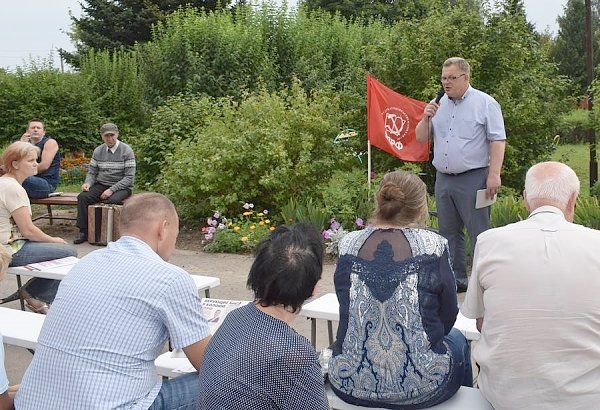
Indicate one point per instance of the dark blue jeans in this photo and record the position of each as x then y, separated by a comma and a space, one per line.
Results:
180, 393
38, 187
33, 252
462, 372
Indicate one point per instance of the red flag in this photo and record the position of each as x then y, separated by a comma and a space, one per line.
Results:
391, 122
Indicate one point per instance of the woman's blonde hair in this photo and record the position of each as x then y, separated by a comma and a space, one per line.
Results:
401, 200
16, 152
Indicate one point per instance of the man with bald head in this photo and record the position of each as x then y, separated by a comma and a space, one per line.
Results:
534, 291
111, 318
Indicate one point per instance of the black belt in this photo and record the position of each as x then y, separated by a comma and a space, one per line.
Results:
461, 173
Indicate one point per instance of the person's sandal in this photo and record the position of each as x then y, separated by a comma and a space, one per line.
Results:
37, 306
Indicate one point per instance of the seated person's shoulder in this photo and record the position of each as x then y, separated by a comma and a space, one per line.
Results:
345, 243
126, 147
51, 142
431, 236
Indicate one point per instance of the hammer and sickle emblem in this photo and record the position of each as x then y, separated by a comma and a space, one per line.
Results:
391, 124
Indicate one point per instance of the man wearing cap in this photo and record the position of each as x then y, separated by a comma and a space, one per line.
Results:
109, 179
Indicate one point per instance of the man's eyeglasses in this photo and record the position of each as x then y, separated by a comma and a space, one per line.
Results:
451, 78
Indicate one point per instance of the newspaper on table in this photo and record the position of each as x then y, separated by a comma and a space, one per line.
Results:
62, 265
215, 311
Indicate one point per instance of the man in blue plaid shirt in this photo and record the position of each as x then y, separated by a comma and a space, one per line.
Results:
111, 318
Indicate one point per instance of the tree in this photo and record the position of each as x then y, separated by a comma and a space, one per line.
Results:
113, 24
516, 8
388, 10
568, 51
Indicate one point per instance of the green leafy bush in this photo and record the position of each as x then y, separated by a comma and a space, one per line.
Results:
595, 190
114, 80
587, 212
62, 100
180, 118
267, 148
225, 241
507, 210
346, 196
572, 126
219, 54
308, 210
240, 234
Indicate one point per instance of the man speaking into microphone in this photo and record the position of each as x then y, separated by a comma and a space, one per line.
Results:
468, 134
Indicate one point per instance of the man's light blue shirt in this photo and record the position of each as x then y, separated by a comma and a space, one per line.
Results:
462, 130
111, 318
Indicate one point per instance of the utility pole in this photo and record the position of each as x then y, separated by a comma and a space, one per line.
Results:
589, 62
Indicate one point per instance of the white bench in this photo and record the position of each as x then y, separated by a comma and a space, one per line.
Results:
327, 308
168, 366
466, 398
203, 283
19, 328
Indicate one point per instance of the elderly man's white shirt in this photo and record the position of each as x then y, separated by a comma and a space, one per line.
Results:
536, 283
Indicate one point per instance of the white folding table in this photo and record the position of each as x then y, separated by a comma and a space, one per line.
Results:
203, 283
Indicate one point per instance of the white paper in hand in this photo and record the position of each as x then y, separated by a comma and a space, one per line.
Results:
482, 201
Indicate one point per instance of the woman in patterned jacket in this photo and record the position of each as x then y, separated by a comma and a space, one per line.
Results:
395, 346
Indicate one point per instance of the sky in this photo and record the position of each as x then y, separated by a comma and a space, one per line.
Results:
38, 28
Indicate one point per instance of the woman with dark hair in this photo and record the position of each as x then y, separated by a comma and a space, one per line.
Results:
395, 346
24, 241
255, 360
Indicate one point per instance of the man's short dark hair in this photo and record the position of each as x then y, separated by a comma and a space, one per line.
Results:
36, 120
287, 266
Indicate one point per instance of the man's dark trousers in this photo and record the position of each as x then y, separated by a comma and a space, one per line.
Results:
91, 197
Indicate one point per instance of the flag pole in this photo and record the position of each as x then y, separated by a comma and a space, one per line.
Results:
369, 167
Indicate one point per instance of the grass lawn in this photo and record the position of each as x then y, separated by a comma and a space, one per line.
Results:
577, 156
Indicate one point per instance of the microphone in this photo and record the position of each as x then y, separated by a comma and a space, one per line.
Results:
439, 96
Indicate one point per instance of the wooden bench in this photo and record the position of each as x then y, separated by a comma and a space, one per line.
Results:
64, 199
327, 308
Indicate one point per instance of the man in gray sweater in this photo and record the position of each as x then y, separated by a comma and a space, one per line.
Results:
109, 179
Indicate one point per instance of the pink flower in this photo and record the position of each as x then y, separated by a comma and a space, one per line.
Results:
208, 236
360, 223
335, 225
216, 215
327, 234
